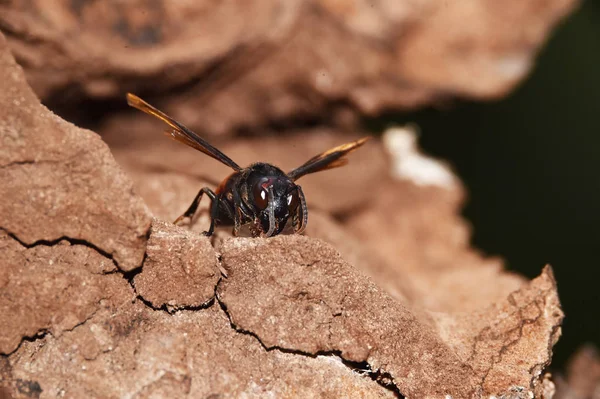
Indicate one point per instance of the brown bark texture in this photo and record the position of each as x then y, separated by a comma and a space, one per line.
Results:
102, 296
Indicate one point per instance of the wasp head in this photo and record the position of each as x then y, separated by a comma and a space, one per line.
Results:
273, 197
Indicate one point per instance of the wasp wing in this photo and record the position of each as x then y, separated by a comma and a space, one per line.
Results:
330, 159
181, 133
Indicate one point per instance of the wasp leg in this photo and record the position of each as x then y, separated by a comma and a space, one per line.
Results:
214, 212
194, 206
300, 218
237, 214
236, 224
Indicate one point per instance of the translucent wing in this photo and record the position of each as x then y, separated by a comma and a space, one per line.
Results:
330, 159
181, 133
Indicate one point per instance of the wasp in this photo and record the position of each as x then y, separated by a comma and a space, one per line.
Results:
261, 195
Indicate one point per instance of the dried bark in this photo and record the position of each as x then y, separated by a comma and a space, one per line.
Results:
60, 181
50, 289
143, 353
180, 270
383, 300
300, 295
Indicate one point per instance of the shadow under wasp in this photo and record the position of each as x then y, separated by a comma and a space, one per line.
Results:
261, 194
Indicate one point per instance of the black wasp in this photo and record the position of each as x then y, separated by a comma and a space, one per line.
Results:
261, 194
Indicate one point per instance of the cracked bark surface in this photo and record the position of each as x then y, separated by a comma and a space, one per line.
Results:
246, 64
41, 289
135, 353
383, 297
60, 181
304, 297
180, 270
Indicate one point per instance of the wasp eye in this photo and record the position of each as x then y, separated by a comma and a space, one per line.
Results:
260, 197
292, 200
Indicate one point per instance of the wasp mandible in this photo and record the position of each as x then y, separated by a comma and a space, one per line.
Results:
261, 194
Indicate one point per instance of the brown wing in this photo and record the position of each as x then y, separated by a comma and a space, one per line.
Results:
330, 159
181, 133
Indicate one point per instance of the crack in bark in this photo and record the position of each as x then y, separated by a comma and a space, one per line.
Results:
384, 379
65, 161
507, 345
70, 240
40, 334
43, 332
173, 309
88, 318
37, 162
18, 163
129, 277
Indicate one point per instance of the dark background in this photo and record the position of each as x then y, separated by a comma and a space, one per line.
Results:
531, 163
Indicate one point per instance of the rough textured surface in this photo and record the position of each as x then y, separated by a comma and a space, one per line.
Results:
52, 289
180, 269
307, 298
384, 296
61, 181
297, 293
252, 63
137, 352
